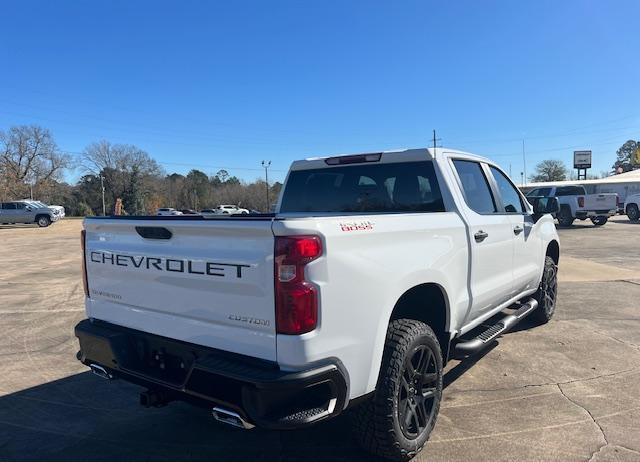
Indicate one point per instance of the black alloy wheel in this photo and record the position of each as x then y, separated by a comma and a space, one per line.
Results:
418, 391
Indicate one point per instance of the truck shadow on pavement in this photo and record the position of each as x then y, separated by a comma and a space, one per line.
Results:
83, 417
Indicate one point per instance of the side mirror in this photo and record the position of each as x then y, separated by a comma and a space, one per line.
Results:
544, 205
29, 209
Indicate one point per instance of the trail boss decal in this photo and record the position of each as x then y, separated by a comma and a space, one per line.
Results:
356, 226
173, 265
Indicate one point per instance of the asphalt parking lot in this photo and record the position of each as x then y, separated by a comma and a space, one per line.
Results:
569, 390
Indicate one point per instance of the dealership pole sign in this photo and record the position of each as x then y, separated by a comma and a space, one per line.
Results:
581, 159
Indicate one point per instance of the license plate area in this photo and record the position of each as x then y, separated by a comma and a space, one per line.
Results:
165, 361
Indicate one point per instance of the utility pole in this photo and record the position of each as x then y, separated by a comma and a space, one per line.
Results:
104, 209
265, 165
524, 168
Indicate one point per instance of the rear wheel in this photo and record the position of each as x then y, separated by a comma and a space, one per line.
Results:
547, 292
397, 421
565, 219
599, 221
632, 212
43, 221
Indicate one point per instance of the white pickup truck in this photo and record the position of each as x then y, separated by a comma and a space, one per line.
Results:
575, 203
373, 272
632, 207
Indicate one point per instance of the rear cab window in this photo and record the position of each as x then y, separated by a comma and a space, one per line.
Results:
570, 191
364, 188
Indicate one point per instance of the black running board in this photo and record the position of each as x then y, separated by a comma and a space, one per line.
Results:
469, 347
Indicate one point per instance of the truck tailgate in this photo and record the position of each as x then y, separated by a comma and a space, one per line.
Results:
208, 282
607, 201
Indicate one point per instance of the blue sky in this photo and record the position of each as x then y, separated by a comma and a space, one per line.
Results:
227, 84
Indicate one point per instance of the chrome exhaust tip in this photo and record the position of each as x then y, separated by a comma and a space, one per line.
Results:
100, 372
230, 418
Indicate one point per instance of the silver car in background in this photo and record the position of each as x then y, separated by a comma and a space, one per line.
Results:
28, 212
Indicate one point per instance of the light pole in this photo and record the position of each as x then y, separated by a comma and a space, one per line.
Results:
104, 209
265, 165
524, 165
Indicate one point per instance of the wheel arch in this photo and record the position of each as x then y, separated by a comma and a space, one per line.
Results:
426, 302
553, 251
43, 215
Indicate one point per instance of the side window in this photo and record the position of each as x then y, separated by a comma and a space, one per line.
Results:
475, 186
9, 206
20, 205
508, 193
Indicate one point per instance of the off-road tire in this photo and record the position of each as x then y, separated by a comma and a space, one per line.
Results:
43, 221
599, 221
633, 214
565, 219
547, 292
376, 422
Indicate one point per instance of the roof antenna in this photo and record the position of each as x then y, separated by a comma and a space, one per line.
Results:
435, 140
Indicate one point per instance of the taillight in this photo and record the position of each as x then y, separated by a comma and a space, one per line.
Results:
580, 201
85, 283
296, 298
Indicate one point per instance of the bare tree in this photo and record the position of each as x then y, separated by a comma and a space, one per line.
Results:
128, 171
29, 155
550, 170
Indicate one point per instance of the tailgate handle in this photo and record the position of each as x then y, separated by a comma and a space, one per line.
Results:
153, 232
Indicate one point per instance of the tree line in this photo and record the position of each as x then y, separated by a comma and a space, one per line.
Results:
31, 165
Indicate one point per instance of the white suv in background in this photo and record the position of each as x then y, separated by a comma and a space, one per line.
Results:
167, 212
230, 209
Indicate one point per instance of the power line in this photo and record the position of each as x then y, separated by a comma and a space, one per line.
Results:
258, 141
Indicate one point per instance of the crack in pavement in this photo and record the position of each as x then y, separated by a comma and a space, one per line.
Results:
629, 344
604, 436
566, 382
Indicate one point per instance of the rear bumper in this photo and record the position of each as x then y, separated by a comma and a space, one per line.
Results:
583, 214
257, 390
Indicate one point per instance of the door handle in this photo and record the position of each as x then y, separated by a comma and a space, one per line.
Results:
480, 236
517, 230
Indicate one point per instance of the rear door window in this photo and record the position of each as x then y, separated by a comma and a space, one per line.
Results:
364, 188
475, 186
